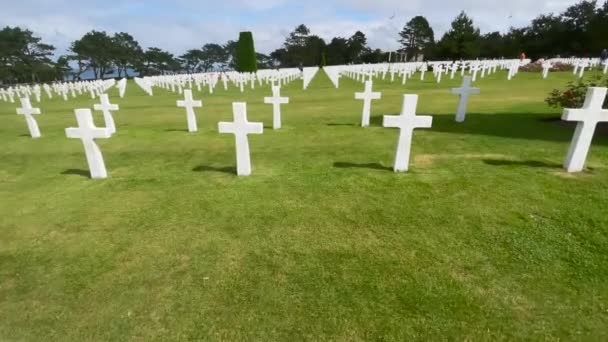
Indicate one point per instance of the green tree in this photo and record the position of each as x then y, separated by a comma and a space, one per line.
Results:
598, 29
230, 49
356, 47
213, 55
246, 58
337, 51
417, 37
293, 53
462, 40
156, 62
95, 50
23, 56
62, 67
313, 49
126, 53
264, 61
192, 60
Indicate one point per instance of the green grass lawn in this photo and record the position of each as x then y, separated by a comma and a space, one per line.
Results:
486, 238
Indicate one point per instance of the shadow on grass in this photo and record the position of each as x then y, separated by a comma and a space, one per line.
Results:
341, 124
77, 172
373, 166
528, 163
176, 130
205, 168
515, 125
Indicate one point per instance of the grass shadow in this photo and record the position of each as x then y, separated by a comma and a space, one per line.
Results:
176, 130
527, 163
77, 172
373, 166
376, 120
341, 124
516, 126
205, 168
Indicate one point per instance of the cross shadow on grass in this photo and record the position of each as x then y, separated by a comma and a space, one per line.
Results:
340, 124
176, 130
206, 168
527, 163
373, 166
515, 125
77, 172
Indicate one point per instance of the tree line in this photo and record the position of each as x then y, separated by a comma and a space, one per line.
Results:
581, 30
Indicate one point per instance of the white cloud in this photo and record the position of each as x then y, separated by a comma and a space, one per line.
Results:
183, 24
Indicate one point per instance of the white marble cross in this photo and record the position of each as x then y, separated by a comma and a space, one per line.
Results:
588, 117
276, 100
189, 104
546, 67
240, 127
439, 73
464, 91
367, 96
406, 122
107, 108
27, 111
87, 132
474, 70
122, 87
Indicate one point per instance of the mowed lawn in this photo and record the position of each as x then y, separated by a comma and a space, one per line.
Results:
486, 238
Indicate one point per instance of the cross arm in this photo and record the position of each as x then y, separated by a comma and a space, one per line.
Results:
574, 114
391, 120
424, 121
225, 127
255, 128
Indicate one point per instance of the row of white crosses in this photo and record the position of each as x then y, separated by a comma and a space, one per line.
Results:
407, 121
276, 100
178, 83
587, 117
580, 65
62, 89
240, 127
405, 71
28, 112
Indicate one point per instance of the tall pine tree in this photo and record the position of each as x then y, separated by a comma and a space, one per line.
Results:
245, 52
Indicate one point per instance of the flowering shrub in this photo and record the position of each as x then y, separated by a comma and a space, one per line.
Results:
538, 67
574, 94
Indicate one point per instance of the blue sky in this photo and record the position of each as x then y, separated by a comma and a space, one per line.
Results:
181, 24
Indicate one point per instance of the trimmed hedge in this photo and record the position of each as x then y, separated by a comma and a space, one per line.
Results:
245, 53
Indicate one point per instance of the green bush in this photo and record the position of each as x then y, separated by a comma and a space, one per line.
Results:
245, 53
574, 94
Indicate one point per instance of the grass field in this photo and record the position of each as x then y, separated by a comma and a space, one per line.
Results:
486, 238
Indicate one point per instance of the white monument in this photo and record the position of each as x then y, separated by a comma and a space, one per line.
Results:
464, 91
276, 100
27, 111
588, 117
406, 122
87, 132
546, 67
308, 74
367, 96
240, 127
122, 87
189, 104
107, 108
